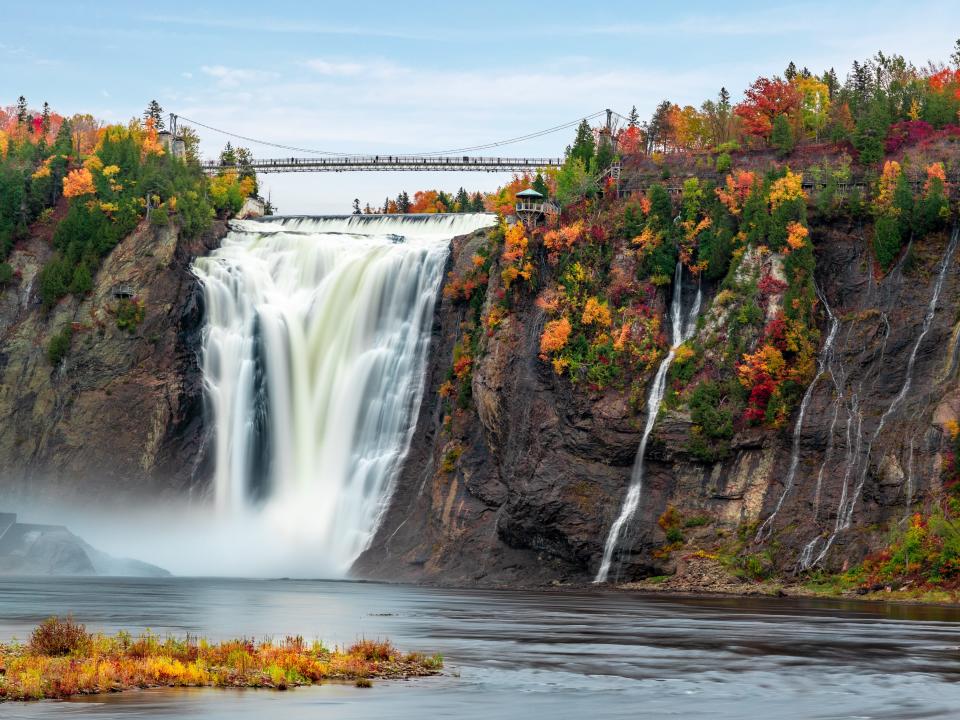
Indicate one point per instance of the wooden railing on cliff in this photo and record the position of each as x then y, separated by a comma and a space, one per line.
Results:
629, 187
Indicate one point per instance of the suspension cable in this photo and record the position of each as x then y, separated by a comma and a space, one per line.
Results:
486, 146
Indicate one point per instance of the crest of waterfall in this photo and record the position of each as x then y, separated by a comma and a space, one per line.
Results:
681, 331
848, 499
314, 352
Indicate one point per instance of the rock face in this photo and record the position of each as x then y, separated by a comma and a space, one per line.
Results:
543, 466
523, 483
121, 415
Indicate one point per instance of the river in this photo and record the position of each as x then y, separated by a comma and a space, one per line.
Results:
523, 654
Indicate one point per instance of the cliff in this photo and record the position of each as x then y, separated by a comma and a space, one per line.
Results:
121, 414
522, 484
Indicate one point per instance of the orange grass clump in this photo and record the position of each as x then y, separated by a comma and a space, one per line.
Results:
63, 659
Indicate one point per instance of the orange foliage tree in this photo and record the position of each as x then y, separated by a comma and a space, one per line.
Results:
427, 201
78, 182
555, 336
736, 191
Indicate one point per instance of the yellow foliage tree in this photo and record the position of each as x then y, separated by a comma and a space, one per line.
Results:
886, 186
785, 189
814, 104
77, 183
596, 313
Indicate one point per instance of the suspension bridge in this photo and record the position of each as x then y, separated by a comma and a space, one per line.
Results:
348, 163
456, 159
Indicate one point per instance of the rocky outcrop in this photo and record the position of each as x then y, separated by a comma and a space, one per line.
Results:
542, 466
32, 549
121, 414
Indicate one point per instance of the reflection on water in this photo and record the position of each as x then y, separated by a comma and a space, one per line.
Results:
513, 653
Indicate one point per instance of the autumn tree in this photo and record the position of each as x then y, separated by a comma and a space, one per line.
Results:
78, 182
45, 119
584, 145
156, 112
718, 117
428, 201
191, 144
814, 104
21, 110
540, 185
245, 169
461, 201
764, 100
658, 130
781, 137
228, 155
629, 141
574, 181
830, 80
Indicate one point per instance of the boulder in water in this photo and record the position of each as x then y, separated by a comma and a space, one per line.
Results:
34, 549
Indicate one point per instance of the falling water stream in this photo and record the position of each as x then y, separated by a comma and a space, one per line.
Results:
681, 331
848, 500
313, 362
826, 354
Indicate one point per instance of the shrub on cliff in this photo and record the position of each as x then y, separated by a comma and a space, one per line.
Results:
60, 345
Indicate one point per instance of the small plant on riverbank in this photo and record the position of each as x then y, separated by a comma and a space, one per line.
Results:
63, 659
56, 637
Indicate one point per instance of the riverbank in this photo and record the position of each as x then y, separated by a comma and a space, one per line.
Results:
700, 575
62, 660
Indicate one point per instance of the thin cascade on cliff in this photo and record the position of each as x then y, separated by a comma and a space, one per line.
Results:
313, 358
856, 465
823, 362
680, 332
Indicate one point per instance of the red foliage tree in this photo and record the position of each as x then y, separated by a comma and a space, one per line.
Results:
764, 101
907, 132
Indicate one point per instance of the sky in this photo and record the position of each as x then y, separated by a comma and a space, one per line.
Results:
392, 78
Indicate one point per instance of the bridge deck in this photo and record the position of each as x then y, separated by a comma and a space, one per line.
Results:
356, 163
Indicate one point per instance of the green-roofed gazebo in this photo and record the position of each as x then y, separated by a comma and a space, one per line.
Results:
530, 194
531, 207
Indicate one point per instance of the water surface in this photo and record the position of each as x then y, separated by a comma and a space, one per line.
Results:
523, 654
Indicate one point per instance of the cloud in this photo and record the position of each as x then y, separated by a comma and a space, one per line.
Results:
263, 24
228, 77
187, 75
372, 68
324, 67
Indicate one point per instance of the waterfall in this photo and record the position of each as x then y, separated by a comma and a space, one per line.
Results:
824, 360
313, 359
680, 333
848, 502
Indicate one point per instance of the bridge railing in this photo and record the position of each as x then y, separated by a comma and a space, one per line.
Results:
393, 162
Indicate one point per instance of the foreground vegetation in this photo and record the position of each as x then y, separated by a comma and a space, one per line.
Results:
63, 659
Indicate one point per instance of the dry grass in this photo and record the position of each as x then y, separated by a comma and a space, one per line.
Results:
63, 659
